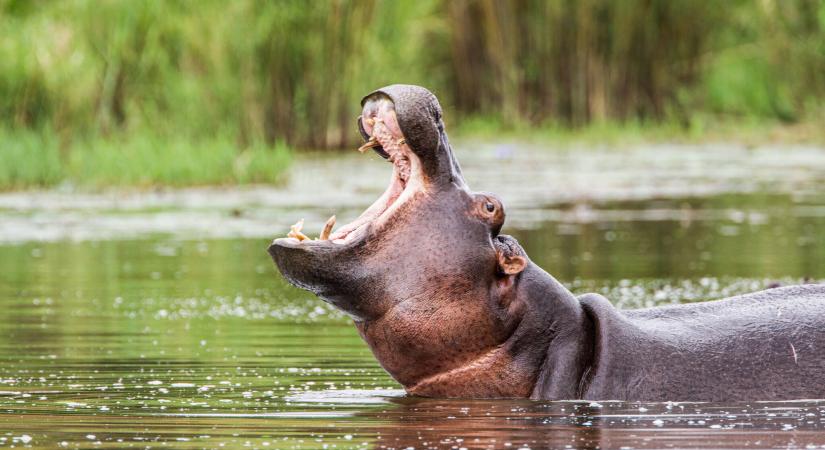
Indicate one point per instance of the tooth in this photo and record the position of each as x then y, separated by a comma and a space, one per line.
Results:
298, 235
295, 231
370, 121
327, 228
369, 144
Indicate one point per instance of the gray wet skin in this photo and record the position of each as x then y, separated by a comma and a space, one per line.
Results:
451, 308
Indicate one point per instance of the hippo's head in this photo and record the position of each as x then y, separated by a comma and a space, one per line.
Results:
433, 288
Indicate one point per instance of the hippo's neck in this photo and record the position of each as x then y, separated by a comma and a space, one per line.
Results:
494, 374
547, 356
557, 330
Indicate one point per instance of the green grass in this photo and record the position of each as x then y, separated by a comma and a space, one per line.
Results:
30, 159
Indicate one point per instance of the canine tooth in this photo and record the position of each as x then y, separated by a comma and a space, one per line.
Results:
373, 142
327, 228
295, 231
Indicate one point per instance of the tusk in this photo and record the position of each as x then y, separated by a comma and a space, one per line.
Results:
369, 144
327, 228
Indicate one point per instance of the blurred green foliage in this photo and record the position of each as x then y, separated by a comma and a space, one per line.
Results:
146, 160
113, 88
28, 158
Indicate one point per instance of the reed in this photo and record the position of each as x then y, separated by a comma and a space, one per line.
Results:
264, 74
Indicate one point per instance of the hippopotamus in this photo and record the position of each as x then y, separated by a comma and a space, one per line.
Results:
450, 307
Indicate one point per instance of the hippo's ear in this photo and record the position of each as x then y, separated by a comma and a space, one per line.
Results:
510, 257
511, 260
510, 264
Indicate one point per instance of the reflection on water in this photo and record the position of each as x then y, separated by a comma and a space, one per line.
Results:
168, 342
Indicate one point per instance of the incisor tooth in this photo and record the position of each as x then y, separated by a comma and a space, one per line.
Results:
327, 228
295, 231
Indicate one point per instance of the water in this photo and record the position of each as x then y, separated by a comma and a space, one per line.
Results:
158, 320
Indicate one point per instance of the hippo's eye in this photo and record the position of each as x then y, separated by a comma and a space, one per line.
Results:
490, 207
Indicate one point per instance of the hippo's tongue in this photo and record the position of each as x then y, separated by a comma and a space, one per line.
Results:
375, 210
387, 199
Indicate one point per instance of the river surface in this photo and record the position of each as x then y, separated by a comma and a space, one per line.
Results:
156, 319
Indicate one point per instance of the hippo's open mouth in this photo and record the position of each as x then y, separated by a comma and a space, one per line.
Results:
380, 123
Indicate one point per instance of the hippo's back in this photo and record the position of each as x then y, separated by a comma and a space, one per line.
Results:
760, 346
805, 299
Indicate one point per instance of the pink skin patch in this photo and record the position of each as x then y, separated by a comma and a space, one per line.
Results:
384, 111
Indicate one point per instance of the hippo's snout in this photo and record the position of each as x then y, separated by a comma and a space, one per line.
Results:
289, 260
330, 271
305, 265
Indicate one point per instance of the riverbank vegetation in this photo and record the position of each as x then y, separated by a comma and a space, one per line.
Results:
184, 92
31, 158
